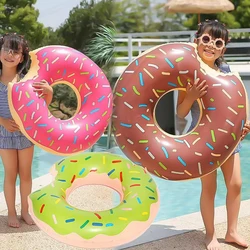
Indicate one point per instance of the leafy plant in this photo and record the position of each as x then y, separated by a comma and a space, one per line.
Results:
101, 48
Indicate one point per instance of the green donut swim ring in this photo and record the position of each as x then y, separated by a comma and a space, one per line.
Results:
102, 229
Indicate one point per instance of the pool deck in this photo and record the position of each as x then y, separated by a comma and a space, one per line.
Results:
181, 233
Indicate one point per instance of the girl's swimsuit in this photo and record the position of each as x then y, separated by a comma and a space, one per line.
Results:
9, 140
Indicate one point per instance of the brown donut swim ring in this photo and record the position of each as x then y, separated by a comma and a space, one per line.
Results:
223, 113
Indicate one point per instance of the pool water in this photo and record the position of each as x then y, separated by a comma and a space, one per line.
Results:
177, 198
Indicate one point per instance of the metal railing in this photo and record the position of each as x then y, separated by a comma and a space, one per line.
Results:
130, 45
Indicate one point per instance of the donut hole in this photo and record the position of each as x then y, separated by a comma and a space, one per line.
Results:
166, 118
64, 102
94, 198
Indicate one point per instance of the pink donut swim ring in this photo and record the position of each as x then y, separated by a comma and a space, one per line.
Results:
64, 65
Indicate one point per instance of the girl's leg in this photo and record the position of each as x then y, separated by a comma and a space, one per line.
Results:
232, 176
209, 186
25, 157
10, 162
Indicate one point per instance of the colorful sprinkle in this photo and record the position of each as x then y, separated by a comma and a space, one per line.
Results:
69, 220
165, 152
40, 197
126, 125
29, 103
213, 136
179, 59
138, 200
82, 171
209, 145
135, 185
234, 136
136, 91
69, 208
94, 111
143, 141
172, 84
96, 224
182, 161
109, 225
135, 179
41, 209
179, 81
61, 180
148, 73
84, 224
145, 117
73, 179
169, 63
150, 189
232, 81
162, 165
123, 218
143, 105
141, 79
211, 108
98, 216
111, 172
119, 94
54, 196
121, 178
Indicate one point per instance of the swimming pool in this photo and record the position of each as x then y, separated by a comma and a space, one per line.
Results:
177, 198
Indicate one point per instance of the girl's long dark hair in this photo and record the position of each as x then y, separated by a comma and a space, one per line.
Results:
215, 29
15, 42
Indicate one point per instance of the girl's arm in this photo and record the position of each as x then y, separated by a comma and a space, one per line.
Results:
184, 104
48, 97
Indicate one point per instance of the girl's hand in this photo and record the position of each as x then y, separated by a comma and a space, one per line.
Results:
10, 125
196, 90
246, 130
42, 88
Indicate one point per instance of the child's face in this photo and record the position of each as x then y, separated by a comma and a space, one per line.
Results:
210, 48
10, 57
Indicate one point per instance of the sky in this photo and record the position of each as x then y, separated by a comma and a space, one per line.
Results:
54, 12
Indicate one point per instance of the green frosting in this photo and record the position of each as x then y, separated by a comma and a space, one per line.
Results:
50, 206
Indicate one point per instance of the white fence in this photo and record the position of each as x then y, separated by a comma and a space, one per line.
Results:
130, 45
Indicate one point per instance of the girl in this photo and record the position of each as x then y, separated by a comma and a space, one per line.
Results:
16, 150
211, 39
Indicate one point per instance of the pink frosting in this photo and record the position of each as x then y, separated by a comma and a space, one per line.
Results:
60, 64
